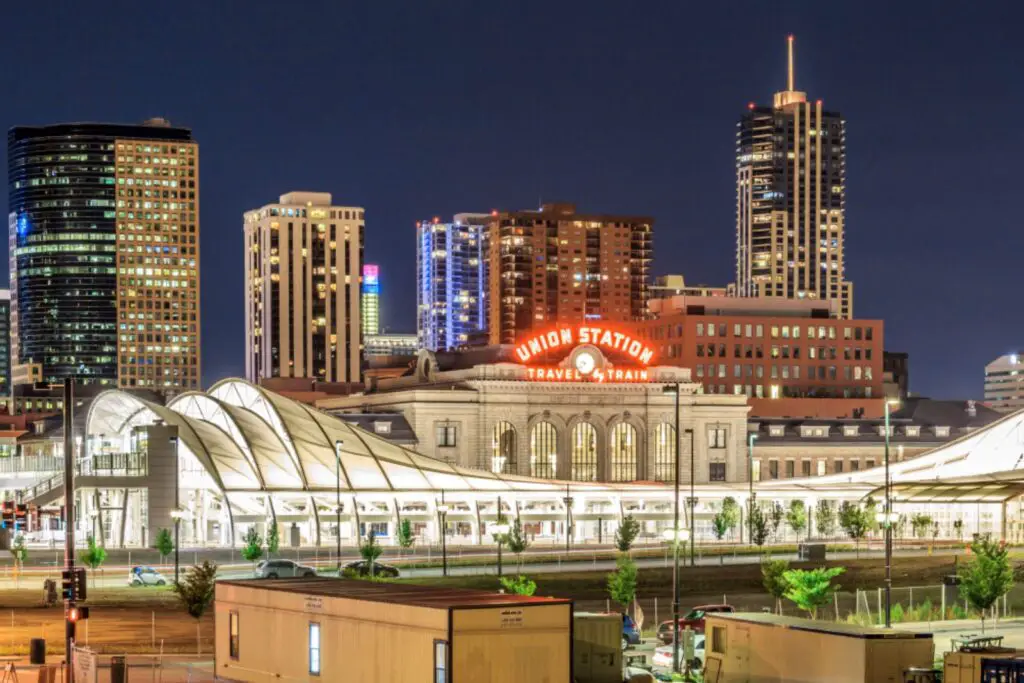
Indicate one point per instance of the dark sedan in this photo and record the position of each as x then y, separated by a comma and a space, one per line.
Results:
362, 568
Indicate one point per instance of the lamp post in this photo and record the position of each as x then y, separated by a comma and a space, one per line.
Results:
751, 438
675, 536
337, 496
499, 530
176, 515
442, 513
889, 519
693, 494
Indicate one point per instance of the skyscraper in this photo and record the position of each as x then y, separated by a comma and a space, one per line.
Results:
304, 257
554, 265
371, 299
104, 253
451, 281
5, 342
790, 199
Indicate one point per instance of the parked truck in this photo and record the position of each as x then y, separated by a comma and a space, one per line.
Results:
744, 647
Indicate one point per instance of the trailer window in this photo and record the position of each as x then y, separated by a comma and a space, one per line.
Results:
718, 639
314, 648
440, 661
233, 635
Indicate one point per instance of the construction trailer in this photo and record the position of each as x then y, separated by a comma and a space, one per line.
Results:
763, 648
597, 647
325, 629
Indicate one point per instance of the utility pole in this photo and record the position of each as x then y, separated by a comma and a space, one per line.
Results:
69, 524
337, 500
675, 538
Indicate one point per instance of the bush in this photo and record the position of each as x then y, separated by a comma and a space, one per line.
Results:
896, 614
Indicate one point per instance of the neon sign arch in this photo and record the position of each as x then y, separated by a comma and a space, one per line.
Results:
601, 337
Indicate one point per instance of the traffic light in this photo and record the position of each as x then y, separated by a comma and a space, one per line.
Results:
67, 584
76, 614
7, 517
80, 585
20, 520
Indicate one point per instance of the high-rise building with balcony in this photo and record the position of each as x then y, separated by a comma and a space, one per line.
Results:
451, 281
370, 301
790, 200
555, 266
1004, 383
104, 253
303, 265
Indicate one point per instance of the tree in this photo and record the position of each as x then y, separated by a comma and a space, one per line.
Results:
812, 588
774, 581
825, 518
253, 548
273, 539
195, 592
370, 550
519, 585
757, 523
987, 576
731, 512
854, 521
516, 541
626, 534
776, 513
405, 535
920, 522
93, 556
164, 543
871, 510
18, 550
720, 525
796, 516
622, 581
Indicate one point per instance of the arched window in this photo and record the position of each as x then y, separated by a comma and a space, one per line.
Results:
584, 452
665, 452
503, 449
623, 452
543, 450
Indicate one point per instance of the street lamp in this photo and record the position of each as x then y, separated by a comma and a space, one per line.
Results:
499, 530
675, 536
751, 438
889, 517
442, 513
337, 496
693, 497
176, 515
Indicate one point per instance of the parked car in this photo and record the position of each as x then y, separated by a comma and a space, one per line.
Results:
630, 633
694, 619
281, 569
663, 655
362, 568
145, 576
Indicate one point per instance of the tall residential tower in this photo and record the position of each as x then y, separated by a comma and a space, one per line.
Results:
451, 281
303, 261
104, 253
790, 200
370, 306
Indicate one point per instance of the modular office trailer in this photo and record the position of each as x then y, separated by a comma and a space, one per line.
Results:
767, 648
323, 629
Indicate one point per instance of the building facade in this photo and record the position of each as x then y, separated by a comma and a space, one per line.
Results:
390, 345
303, 266
370, 301
668, 286
555, 266
5, 342
790, 200
1004, 383
768, 349
104, 253
451, 282
583, 411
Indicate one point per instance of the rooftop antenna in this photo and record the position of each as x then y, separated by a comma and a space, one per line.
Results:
790, 83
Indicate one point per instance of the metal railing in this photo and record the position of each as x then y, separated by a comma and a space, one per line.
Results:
30, 463
114, 464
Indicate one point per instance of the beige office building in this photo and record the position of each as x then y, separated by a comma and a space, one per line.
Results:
790, 200
303, 266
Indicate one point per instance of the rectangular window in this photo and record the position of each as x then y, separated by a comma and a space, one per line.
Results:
314, 648
839, 466
854, 465
805, 468
700, 329
718, 639
717, 471
790, 469
233, 635
756, 470
868, 464
736, 329
821, 468
446, 435
773, 469
716, 437
440, 661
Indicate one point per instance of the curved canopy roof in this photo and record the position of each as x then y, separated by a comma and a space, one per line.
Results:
251, 439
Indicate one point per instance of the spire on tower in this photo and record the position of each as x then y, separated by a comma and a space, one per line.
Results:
790, 95
791, 81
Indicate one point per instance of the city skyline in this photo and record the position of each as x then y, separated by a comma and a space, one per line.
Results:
654, 159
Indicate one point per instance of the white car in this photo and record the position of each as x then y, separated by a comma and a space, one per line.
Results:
145, 576
281, 569
663, 655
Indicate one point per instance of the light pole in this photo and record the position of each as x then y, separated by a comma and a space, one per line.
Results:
693, 494
675, 536
568, 520
499, 529
442, 513
176, 514
751, 438
889, 519
337, 496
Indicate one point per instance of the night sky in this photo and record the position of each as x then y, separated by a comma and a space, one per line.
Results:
418, 109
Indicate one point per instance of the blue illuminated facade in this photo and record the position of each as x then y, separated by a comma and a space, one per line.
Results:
451, 282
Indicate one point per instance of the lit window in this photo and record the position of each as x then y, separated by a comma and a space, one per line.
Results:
716, 437
440, 661
314, 648
233, 635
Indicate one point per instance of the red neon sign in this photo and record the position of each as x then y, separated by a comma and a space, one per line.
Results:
601, 337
